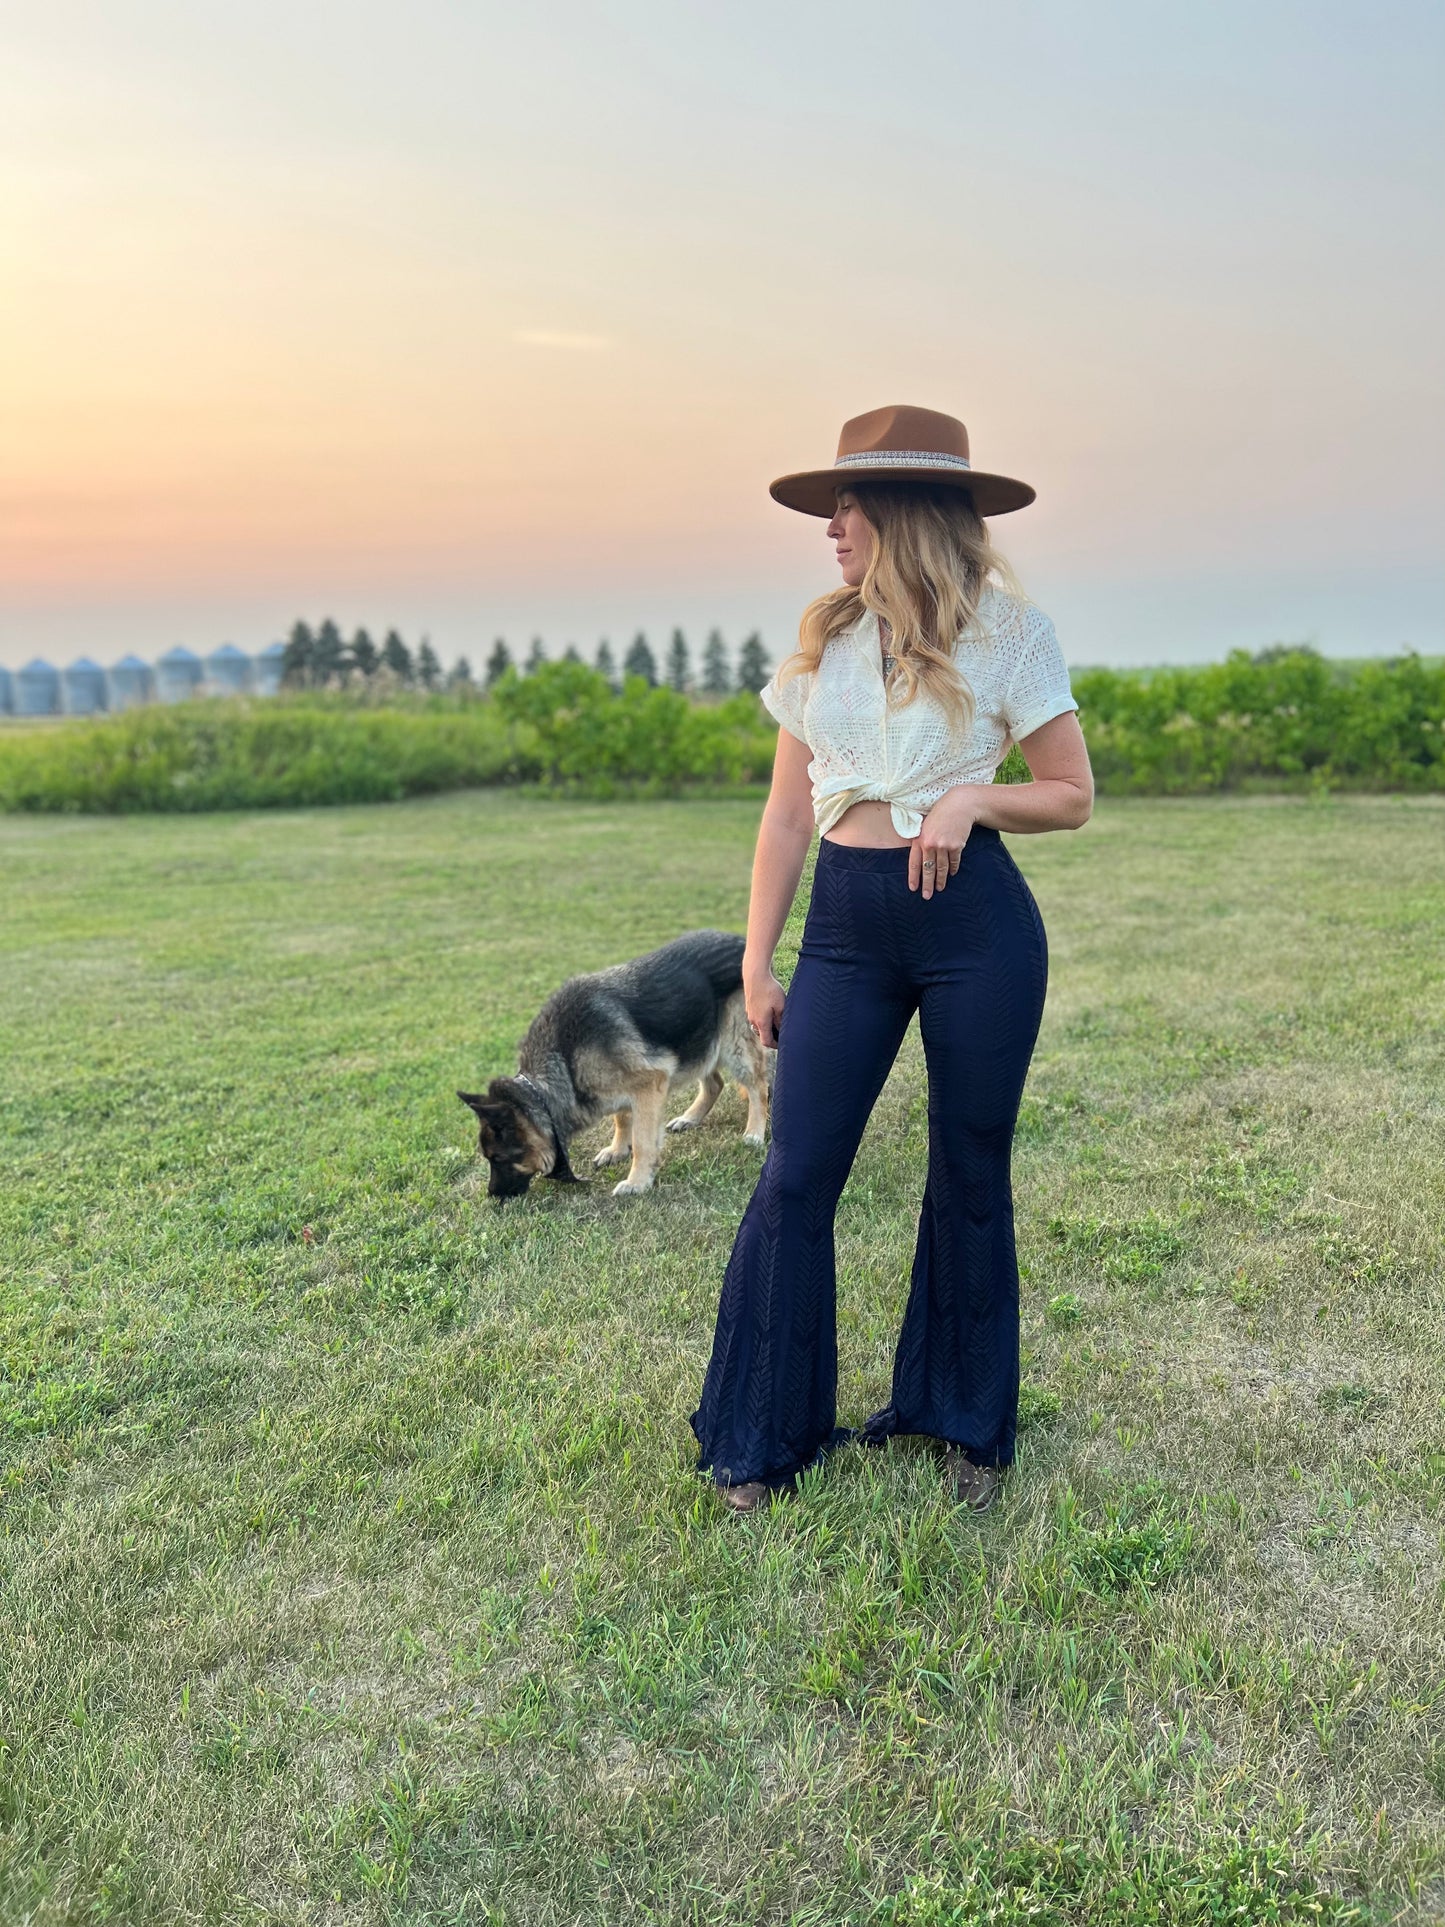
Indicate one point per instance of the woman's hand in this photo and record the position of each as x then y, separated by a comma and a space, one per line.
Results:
935, 853
763, 996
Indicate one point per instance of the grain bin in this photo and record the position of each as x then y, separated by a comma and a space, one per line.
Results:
131, 682
228, 670
7, 691
83, 686
266, 670
178, 675
37, 689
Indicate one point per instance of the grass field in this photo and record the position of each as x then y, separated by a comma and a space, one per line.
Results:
355, 1569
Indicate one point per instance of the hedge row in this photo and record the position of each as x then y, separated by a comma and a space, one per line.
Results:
562, 726
1291, 720
1290, 717
247, 754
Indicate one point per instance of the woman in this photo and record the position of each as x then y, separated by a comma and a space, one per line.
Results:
909, 684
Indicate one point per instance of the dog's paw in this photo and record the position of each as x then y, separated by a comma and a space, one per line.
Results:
627, 1189
683, 1123
755, 1138
608, 1156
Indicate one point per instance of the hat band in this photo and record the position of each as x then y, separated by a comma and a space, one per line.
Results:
901, 458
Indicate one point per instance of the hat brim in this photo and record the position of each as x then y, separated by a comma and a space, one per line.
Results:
815, 492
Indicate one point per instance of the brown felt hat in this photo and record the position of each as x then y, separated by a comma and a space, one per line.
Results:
900, 445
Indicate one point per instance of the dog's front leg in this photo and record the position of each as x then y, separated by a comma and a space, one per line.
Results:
621, 1144
649, 1108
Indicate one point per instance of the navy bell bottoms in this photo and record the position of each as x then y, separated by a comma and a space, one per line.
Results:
973, 962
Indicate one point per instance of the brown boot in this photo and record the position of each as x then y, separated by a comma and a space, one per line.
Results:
750, 1496
744, 1498
974, 1486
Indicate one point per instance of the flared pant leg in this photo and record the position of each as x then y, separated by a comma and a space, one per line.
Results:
768, 1404
956, 1370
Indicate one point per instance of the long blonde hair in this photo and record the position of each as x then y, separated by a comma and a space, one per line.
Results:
932, 560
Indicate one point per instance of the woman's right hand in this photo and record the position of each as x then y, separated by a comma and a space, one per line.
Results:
763, 996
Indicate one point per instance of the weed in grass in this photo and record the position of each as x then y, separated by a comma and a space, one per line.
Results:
1125, 1551
1039, 1407
1363, 1401
1127, 1253
1066, 1884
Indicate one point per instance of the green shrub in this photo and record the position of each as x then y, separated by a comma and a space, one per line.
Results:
648, 739
1242, 723
247, 754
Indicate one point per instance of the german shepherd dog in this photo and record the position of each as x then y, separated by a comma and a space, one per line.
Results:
617, 1040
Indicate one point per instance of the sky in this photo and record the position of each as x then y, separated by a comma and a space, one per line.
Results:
478, 319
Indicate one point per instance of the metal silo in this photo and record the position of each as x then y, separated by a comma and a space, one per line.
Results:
83, 685
178, 675
266, 670
37, 689
7, 691
228, 670
131, 682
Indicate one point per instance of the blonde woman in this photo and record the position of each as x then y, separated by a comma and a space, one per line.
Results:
909, 685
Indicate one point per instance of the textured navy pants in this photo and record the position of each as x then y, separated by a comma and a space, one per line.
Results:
973, 962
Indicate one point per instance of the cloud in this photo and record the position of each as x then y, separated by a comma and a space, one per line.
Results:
560, 338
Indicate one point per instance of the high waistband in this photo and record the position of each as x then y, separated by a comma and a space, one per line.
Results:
856, 856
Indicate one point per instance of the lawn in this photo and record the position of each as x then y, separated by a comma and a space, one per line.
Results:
355, 1568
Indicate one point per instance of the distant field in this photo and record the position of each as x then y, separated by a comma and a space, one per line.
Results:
355, 1569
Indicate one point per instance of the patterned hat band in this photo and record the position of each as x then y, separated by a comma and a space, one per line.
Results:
901, 458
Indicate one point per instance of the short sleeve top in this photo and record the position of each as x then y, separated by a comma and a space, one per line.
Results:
866, 749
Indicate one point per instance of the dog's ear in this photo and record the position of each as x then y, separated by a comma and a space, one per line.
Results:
497, 1124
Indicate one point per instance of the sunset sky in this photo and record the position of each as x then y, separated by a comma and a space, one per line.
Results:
484, 319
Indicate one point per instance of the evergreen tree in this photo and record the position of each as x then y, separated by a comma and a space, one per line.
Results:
428, 668
679, 663
363, 655
459, 676
298, 661
396, 656
536, 655
328, 658
569, 654
1280, 651
715, 678
499, 662
753, 666
605, 665
639, 661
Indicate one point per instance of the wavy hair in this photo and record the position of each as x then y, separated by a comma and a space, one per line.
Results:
932, 560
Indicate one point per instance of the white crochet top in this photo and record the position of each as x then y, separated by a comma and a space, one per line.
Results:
865, 749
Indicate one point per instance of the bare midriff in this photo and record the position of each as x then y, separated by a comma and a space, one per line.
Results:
868, 826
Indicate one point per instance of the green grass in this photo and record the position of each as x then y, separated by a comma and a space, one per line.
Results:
355, 1569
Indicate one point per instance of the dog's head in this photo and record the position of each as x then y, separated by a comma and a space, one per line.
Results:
517, 1144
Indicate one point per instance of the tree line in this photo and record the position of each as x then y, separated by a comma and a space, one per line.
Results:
317, 658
